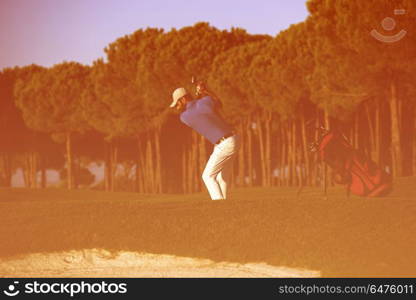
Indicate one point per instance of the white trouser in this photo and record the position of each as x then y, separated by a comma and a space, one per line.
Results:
218, 170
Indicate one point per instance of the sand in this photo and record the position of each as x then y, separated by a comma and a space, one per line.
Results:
102, 263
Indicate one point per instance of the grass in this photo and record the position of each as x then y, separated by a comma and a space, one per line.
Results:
355, 237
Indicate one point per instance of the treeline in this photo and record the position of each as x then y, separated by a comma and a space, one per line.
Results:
325, 71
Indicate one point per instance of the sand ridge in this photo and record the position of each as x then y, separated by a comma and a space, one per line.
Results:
103, 263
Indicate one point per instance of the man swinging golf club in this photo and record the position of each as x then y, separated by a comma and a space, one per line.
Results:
202, 116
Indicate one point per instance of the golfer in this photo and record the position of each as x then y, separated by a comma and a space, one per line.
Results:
202, 116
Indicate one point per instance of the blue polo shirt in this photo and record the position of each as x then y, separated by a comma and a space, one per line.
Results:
200, 115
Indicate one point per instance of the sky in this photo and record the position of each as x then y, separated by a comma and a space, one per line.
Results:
47, 32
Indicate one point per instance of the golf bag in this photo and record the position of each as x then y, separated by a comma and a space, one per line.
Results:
358, 173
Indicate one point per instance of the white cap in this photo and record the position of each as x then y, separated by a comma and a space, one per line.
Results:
176, 95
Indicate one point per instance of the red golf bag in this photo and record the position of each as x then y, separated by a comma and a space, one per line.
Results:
357, 172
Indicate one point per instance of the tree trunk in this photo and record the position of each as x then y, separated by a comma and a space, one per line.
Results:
158, 175
268, 159
185, 179
250, 151
43, 180
316, 169
377, 133
115, 168
141, 168
137, 171
107, 167
356, 131
289, 154
328, 127
202, 157
241, 155
259, 128
32, 168
372, 135
6, 170
126, 177
282, 166
306, 161
296, 154
284, 160
150, 171
76, 171
26, 168
69, 160
35, 169
195, 175
137, 178
396, 154
232, 179
191, 165
326, 118
112, 166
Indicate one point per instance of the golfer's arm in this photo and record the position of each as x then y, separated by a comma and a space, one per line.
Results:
217, 101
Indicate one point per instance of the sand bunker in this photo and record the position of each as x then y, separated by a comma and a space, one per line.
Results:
102, 263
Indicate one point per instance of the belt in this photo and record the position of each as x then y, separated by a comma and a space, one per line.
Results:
224, 137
